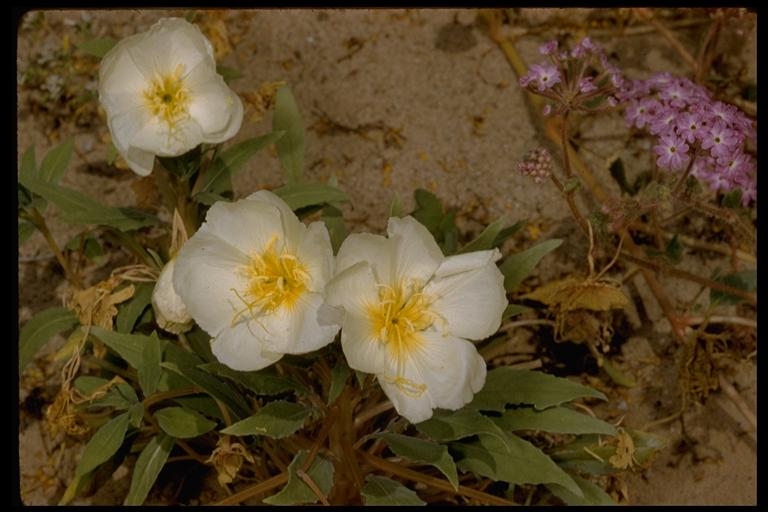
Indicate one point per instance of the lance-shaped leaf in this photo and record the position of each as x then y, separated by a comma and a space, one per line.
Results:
290, 147
301, 195
509, 386
40, 329
148, 466
339, 375
518, 266
55, 163
149, 370
453, 425
264, 382
129, 312
559, 420
591, 493
590, 454
421, 451
183, 423
213, 386
128, 346
103, 445
97, 47
383, 491
296, 491
276, 420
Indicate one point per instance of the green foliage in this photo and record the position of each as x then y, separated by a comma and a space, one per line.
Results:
673, 252
183, 423
213, 386
732, 199
26, 229
55, 163
442, 224
97, 47
228, 74
128, 346
509, 386
591, 494
421, 451
264, 382
301, 195
91, 247
513, 460
103, 445
290, 147
745, 280
337, 230
40, 329
276, 420
489, 237
339, 375
396, 206
120, 397
561, 420
383, 491
148, 466
149, 370
519, 266
513, 310
129, 312
296, 492
112, 153
587, 454
229, 162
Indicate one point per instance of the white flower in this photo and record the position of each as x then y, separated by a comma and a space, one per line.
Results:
162, 94
170, 311
409, 312
253, 277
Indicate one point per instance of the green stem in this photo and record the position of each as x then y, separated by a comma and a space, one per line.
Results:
39, 222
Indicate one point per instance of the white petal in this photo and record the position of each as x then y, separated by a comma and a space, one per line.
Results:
156, 136
353, 289
141, 162
468, 293
376, 250
119, 75
417, 254
247, 225
169, 309
448, 370
237, 348
316, 254
362, 350
293, 228
125, 125
307, 332
235, 120
213, 105
206, 273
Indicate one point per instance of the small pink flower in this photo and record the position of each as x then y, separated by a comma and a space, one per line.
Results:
719, 140
673, 153
586, 85
548, 48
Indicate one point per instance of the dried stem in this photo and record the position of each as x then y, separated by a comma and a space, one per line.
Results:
255, 490
739, 402
646, 14
372, 412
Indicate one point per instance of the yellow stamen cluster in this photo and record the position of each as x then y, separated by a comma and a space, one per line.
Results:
275, 279
168, 98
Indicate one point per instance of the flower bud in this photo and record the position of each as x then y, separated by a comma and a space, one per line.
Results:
170, 311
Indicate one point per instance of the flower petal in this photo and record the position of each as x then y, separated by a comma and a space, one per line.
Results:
445, 372
206, 273
468, 293
247, 225
376, 250
417, 253
316, 254
141, 162
353, 289
362, 350
156, 136
237, 348
308, 333
293, 228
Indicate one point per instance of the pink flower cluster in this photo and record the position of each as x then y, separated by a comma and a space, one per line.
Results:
694, 130
582, 80
536, 164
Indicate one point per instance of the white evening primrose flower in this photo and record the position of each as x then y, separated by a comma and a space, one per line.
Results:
253, 277
410, 311
170, 312
163, 96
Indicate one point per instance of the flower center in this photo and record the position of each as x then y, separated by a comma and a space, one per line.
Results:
275, 279
399, 317
167, 97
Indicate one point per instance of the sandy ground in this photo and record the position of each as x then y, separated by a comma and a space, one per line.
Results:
393, 101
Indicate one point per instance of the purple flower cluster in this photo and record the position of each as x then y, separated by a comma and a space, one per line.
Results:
536, 164
582, 80
694, 130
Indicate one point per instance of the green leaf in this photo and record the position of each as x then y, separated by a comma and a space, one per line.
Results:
26, 229
78, 208
128, 346
120, 397
28, 164
732, 199
421, 451
339, 375
40, 329
202, 404
290, 147
111, 153
103, 445
337, 230
75, 487
149, 369
383, 491
301, 195
507, 232
582, 454
486, 239
148, 466
617, 173
571, 184
429, 209
129, 312
674, 251
264, 382
518, 266
745, 280
228, 74
513, 310
209, 198
200, 342
509, 386
87, 384
231, 161
97, 47
516, 462
135, 414
296, 492
560, 420
183, 423
54, 165
396, 206
617, 376
214, 387
591, 493
448, 234
453, 425
276, 420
